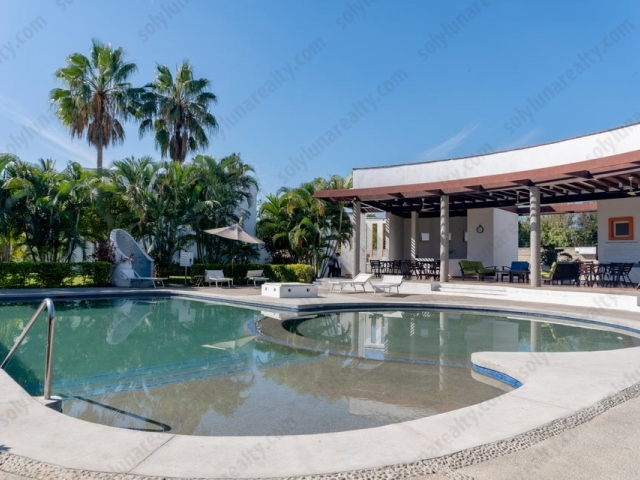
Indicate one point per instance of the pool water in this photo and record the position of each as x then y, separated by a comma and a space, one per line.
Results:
196, 368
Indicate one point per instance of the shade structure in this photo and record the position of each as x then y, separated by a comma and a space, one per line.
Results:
235, 232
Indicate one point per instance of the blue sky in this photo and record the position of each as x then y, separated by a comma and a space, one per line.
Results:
313, 88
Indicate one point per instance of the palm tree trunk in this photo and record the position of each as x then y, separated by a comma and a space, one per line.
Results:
99, 149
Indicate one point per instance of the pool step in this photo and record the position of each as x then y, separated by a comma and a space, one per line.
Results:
150, 377
145, 378
480, 290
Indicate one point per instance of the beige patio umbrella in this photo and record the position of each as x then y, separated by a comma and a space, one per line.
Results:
234, 232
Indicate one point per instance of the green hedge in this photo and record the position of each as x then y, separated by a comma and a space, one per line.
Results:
277, 273
37, 275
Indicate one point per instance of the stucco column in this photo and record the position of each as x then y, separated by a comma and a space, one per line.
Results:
534, 219
356, 236
414, 235
444, 238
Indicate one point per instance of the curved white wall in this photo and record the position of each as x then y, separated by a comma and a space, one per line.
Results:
590, 147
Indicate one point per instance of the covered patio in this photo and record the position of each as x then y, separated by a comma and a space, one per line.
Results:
468, 208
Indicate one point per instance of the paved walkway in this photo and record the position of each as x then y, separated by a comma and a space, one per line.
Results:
576, 417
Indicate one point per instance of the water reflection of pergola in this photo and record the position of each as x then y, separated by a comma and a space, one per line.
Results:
550, 189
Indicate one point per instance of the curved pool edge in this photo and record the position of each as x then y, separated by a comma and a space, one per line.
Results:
555, 386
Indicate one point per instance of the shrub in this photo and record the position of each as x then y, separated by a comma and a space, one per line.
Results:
277, 273
33, 274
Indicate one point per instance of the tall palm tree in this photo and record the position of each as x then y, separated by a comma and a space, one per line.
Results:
96, 97
177, 111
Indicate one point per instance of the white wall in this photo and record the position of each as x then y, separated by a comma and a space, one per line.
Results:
395, 242
431, 249
589, 147
619, 250
481, 245
505, 238
498, 243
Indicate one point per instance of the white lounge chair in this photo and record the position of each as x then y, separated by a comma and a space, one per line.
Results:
388, 282
131, 275
256, 276
360, 279
216, 276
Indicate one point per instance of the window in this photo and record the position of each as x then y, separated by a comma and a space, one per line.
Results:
621, 228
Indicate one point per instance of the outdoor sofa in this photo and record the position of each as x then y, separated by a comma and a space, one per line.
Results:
471, 268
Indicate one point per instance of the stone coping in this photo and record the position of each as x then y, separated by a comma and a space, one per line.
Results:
556, 387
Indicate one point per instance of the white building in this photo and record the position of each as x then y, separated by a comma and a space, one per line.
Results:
467, 208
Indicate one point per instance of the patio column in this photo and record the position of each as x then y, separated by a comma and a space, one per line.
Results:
444, 238
356, 237
534, 219
414, 235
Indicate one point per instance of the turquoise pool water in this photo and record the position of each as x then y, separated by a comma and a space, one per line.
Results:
196, 368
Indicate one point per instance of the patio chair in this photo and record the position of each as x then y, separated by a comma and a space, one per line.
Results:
586, 274
547, 275
360, 279
405, 269
256, 276
376, 268
133, 277
216, 276
624, 276
517, 269
471, 268
388, 282
619, 274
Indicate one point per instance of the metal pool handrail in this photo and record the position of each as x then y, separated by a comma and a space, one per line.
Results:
51, 316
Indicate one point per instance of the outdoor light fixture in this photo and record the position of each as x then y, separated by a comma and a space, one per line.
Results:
465, 236
479, 229
424, 236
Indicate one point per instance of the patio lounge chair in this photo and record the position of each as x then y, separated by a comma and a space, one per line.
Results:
216, 276
360, 279
388, 282
133, 277
256, 276
470, 268
547, 275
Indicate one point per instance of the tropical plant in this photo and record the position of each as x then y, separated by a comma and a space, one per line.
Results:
96, 97
174, 196
223, 188
176, 110
299, 228
44, 209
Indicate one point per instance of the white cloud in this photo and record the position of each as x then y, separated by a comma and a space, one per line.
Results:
522, 141
442, 150
43, 129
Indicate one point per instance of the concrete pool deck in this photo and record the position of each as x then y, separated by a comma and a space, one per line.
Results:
501, 438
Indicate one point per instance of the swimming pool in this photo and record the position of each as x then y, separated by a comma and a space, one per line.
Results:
191, 367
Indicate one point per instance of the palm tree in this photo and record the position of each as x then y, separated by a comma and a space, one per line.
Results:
298, 227
133, 180
97, 95
223, 185
177, 111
